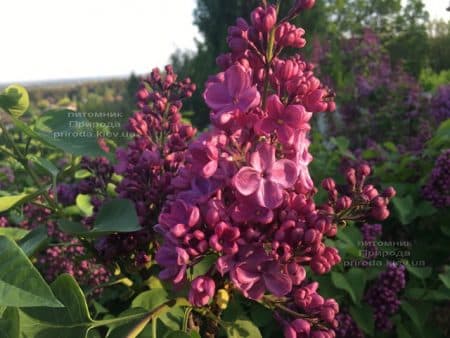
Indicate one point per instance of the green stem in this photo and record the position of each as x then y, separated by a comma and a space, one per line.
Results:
186, 318
151, 316
269, 58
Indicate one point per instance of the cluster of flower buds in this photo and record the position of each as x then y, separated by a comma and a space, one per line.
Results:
150, 161
245, 194
383, 295
357, 200
437, 189
440, 104
347, 326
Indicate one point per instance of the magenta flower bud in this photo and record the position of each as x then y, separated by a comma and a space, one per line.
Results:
379, 213
296, 272
264, 19
316, 301
143, 94
328, 184
322, 334
389, 192
202, 290
312, 235
370, 192
301, 5
364, 170
302, 297
301, 327
329, 310
350, 176
343, 202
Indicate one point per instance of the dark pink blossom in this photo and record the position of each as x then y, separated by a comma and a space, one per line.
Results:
234, 93
284, 120
266, 178
202, 290
256, 272
225, 238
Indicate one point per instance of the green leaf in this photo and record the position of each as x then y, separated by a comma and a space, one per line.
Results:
122, 330
445, 278
178, 334
412, 313
21, 284
405, 208
243, 328
150, 299
390, 146
195, 334
9, 202
261, 315
35, 240
363, 317
83, 202
401, 331
13, 233
203, 266
70, 132
342, 283
357, 279
10, 323
419, 272
82, 173
44, 164
15, 100
118, 215
72, 321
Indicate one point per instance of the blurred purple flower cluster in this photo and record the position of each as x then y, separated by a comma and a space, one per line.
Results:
440, 104
437, 189
383, 295
347, 327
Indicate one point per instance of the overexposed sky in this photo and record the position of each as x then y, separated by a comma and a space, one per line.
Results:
51, 39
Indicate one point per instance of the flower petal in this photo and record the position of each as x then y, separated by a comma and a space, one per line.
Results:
237, 80
274, 106
247, 180
297, 117
216, 96
269, 194
248, 99
284, 173
256, 291
263, 158
277, 283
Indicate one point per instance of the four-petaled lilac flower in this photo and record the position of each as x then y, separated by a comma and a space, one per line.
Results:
284, 120
256, 272
234, 93
202, 290
204, 157
181, 218
225, 238
174, 260
266, 178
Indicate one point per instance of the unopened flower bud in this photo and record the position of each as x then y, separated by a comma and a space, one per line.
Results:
222, 299
328, 184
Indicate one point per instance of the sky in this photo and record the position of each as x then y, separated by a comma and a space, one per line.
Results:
53, 40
